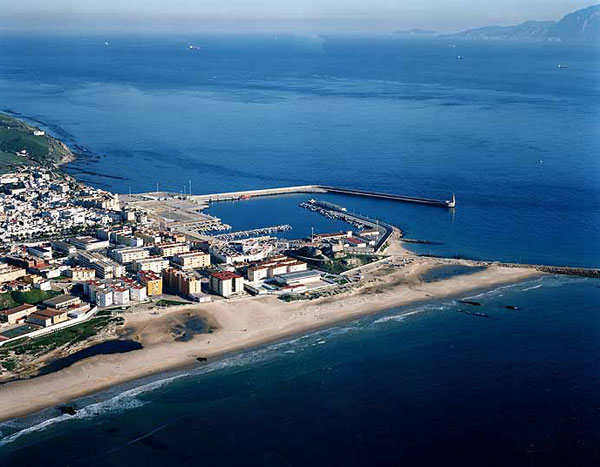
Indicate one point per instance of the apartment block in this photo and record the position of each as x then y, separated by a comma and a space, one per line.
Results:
226, 283
193, 260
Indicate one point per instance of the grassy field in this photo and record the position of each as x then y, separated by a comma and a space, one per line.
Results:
9, 161
16, 136
11, 299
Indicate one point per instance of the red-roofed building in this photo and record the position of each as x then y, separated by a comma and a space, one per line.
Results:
121, 295
355, 242
226, 283
152, 281
333, 235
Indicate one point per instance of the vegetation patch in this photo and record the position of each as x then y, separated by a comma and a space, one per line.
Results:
33, 297
68, 336
339, 265
40, 149
167, 303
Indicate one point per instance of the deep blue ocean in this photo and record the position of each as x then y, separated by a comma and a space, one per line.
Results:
514, 137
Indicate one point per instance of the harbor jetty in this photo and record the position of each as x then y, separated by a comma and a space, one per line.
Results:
240, 195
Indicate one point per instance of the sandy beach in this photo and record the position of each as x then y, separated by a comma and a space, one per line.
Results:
239, 324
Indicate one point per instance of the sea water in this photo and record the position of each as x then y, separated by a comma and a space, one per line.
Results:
421, 386
513, 136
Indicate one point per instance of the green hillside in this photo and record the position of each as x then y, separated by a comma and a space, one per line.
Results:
16, 136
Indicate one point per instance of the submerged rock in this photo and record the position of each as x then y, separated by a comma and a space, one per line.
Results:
474, 313
67, 409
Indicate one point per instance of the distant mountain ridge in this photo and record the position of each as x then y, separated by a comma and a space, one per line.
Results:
581, 25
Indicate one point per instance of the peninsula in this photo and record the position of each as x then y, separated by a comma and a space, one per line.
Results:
98, 288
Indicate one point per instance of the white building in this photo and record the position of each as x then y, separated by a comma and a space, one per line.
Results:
128, 255
104, 297
121, 295
226, 283
138, 293
298, 278
193, 260
43, 285
155, 264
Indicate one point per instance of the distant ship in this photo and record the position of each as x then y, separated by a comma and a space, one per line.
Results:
561, 66
460, 57
193, 47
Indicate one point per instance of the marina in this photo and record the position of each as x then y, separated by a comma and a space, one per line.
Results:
333, 211
253, 232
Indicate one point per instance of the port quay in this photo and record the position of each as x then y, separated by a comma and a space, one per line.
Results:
322, 189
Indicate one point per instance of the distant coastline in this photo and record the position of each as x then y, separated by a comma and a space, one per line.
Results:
579, 26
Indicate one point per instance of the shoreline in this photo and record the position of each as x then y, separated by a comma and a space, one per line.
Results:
263, 321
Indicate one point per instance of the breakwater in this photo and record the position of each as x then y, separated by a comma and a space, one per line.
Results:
547, 268
240, 195
564, 270
390, 196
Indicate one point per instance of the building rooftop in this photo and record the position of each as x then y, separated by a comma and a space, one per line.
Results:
192, 254
226, 275
86, 240
49, 313
40, 315
299, 275
149, 275
58, 300
17, 309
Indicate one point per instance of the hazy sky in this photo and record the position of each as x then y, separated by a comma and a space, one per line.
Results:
276, 15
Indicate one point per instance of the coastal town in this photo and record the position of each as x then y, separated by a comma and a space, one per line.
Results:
70, 252
157, 283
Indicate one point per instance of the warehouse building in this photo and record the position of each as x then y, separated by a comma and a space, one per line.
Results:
298, 278
89, 243
17, 314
